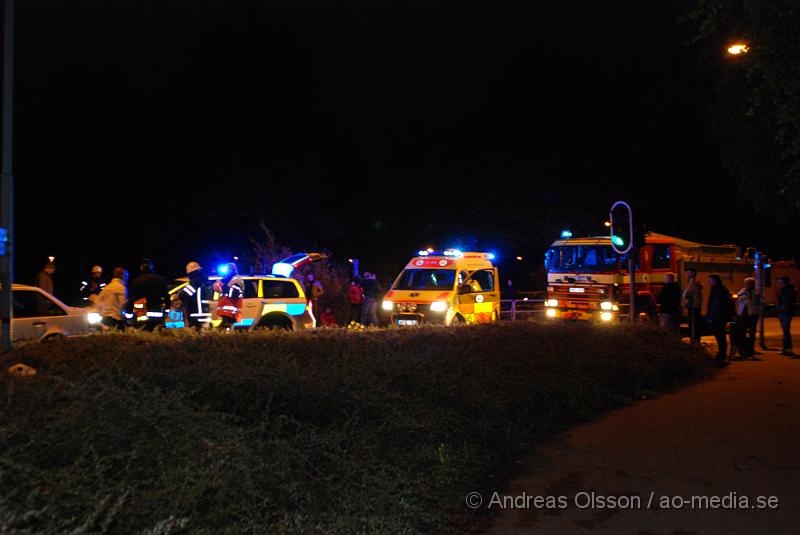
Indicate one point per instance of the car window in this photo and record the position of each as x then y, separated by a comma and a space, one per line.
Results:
277, 289
32, 304
250, 288
661, 257
482, 281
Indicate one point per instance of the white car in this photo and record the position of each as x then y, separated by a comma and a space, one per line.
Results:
39, 316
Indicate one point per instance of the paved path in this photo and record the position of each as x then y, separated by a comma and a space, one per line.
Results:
700, 441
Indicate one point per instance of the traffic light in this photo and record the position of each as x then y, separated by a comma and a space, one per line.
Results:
621, 228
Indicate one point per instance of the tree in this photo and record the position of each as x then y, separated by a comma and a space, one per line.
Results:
755, 115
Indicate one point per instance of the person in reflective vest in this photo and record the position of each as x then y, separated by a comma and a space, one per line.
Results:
195, 297
148, 297
231, 292
91, 288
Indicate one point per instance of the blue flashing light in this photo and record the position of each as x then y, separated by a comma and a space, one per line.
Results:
222, 269
491, 256
423, 253
453, 252
295, 309
767, 266
566, 233
619, 242
282, 269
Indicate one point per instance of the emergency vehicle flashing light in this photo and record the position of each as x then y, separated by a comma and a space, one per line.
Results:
222, 269
283, 269
566, 233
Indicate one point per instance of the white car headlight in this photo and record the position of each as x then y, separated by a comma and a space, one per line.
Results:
551, 313
606, 316
606, 305
94, 318
551, 303
388, 305
439, 306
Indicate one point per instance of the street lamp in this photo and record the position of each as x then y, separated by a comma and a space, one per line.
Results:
737, 49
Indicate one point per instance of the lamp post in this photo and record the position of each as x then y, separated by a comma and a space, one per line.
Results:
7, 179
737, 49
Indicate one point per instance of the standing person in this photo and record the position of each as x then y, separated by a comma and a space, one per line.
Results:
693, 302
669, 304
719, 313
231, 292
355, 295
314, 291
112, 299
44, 279
787, 299
194, 299
371, 291
748, 309
90, 289
149, 297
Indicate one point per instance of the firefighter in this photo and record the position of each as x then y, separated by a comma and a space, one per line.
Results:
149, 297
194, 298
91, 289
231, 292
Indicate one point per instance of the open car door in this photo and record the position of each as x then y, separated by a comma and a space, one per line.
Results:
286, 267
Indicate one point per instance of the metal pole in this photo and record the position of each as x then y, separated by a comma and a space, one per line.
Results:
7, 187
632, 274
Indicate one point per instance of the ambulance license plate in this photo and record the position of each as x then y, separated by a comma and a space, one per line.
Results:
404, 323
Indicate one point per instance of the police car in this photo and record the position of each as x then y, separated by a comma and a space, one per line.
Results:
269, 301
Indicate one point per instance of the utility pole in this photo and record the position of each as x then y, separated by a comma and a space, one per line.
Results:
7, 179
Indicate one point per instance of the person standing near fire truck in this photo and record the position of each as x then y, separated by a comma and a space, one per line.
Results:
787, 300
693, 302
669, 304
719, 313
748, 309
231, 297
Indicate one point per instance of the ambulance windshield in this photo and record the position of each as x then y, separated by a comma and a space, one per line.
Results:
582, 258
426, 279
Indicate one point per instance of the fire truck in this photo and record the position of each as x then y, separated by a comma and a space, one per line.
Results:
587, 280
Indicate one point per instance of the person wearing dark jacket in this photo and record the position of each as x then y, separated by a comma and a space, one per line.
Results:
195, 298
669, 304
719, 313
148, 297
787, 299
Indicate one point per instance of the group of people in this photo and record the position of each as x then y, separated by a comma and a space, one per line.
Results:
363, 295
739, 316
145, 302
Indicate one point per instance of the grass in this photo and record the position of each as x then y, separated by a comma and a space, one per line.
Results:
334, 431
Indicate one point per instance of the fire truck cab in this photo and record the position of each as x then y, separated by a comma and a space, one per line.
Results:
587, 280
445, 287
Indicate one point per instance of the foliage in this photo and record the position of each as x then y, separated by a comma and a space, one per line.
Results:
756, 112
334, 276
326, 431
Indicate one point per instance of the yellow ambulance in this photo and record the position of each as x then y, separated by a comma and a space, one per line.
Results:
445, 287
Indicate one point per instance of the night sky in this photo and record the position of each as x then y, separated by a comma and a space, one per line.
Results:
370, 129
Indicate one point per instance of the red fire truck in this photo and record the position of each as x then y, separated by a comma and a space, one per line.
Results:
587, 280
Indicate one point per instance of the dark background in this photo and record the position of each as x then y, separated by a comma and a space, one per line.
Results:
370, 129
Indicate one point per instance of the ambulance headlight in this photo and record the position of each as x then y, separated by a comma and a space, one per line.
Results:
551, 312
551, 303
94, 318
388, 305
439, 306
606, 305
606, 316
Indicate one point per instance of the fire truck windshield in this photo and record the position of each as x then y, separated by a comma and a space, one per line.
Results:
583, 258
426, 279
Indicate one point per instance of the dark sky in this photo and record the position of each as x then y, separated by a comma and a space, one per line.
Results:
171, 129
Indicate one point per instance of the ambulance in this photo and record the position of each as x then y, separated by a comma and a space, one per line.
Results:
445, 287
